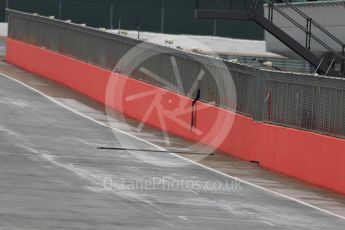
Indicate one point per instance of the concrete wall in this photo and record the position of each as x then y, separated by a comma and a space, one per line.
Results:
3, 29
311, 157
330, 15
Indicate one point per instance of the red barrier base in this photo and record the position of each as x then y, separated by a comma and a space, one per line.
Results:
311, 157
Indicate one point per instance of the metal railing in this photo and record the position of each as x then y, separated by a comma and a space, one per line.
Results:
307, 29
250, 13
295, 100
312, 22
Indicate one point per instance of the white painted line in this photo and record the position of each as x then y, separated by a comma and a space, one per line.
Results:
183, 218
17, 154
93, 178
231, 219
193, 192
162, 149
149, 202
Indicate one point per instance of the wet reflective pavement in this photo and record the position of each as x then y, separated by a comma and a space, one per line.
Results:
54, 177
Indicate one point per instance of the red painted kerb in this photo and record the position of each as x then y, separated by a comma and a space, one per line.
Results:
311, 157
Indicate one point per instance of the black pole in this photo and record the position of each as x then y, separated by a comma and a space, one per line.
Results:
60, 9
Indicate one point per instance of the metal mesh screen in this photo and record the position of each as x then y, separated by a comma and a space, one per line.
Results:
306, 102
106, 50
299, 101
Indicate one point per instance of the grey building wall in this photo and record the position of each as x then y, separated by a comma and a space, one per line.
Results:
329, 14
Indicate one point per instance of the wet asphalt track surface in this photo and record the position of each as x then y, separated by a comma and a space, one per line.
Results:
52, 176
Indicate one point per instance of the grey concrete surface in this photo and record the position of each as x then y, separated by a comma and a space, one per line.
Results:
53, 177
225, 163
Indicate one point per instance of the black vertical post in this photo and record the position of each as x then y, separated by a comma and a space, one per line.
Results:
270, 12
137, 24
215, 24
308, 34
117, 13
162, 15
214, 27
310, 23
111, 18
6, 14
60, 10
343, 61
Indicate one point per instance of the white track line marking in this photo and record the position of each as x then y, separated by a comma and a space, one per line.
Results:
162, 149
231, 219
183, 218
94, 179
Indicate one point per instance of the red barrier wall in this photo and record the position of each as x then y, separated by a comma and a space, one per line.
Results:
305, 155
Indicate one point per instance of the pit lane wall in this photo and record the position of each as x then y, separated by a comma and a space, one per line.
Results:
308, 156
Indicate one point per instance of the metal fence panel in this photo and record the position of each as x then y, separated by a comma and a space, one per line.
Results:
295, 100
306, 102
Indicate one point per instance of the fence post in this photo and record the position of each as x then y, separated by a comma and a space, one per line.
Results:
111, 16
60, 10
6, 13
162, 15
259, 99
